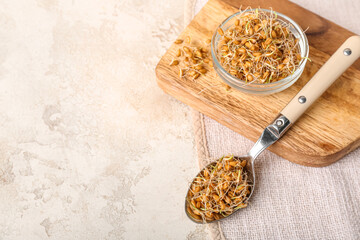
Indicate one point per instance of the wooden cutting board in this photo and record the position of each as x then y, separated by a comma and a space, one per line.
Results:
324, 134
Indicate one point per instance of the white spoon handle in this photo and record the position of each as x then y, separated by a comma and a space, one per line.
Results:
346, 55
341, 60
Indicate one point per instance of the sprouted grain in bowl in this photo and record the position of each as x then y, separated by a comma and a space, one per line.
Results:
258, 48
219, 190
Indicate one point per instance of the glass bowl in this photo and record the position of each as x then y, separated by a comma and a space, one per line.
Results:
261, 88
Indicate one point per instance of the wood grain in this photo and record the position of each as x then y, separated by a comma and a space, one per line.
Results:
325, 133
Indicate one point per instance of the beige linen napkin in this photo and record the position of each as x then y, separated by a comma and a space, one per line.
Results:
290, 201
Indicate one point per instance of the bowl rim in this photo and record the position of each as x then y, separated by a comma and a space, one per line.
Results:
288, 78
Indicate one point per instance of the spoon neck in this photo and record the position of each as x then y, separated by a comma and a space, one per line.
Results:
262, 143
270, 135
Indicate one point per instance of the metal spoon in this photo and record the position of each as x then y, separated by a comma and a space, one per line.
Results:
342, 59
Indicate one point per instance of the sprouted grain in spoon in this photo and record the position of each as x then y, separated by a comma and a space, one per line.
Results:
258, 48
219, 190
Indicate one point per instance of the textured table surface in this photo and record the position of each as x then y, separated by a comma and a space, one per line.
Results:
88, 143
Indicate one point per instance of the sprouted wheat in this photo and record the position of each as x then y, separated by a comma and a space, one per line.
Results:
219, 190
258, 48
193, 61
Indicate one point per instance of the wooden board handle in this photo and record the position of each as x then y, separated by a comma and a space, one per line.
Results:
341, 60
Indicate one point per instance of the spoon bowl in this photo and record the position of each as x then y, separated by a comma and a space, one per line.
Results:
249, 169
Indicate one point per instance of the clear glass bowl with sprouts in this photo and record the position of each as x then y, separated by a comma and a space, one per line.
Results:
253, 87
